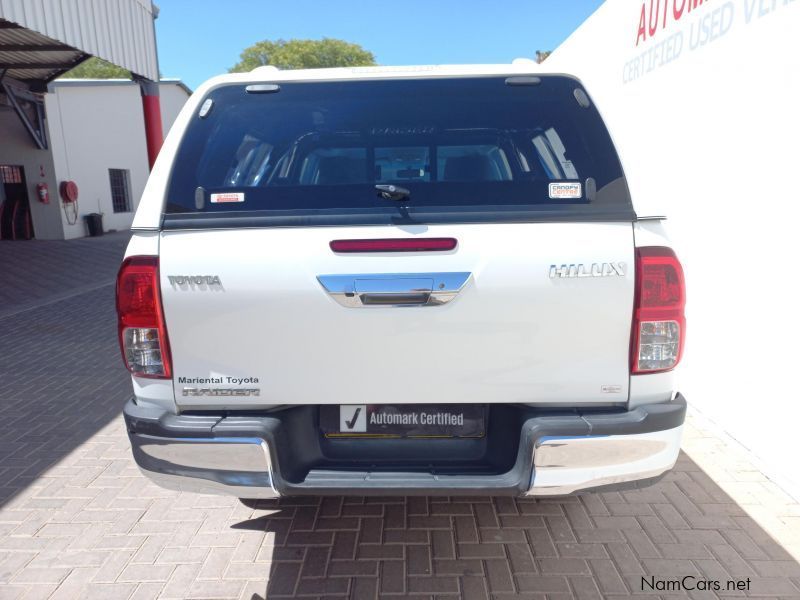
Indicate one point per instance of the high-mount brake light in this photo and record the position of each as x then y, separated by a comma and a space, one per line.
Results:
659, 324
140, 318
394, 245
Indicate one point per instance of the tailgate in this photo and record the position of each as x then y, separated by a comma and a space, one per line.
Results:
251, 324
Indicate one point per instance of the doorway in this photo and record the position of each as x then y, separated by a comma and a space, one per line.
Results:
15, 208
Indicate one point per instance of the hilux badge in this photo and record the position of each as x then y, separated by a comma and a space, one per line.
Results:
606, 269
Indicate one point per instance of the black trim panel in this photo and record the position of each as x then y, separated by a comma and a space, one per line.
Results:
258, 219
303, 466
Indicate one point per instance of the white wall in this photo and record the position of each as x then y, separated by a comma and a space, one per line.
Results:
97, 126
172, 96
705, 115
17, 148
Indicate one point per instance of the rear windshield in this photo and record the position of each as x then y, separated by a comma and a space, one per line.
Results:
455, 149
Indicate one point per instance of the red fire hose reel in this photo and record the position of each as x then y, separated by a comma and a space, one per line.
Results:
69, 191
69, 200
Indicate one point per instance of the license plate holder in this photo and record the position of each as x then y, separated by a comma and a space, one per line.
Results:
403, 421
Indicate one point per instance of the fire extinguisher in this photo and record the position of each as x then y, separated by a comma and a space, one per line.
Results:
43, 193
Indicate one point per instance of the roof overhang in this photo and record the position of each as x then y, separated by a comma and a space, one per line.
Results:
33, 58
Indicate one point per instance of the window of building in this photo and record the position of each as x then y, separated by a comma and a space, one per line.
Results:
10, 174
120, 190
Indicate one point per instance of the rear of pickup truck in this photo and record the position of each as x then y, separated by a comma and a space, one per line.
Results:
354, 282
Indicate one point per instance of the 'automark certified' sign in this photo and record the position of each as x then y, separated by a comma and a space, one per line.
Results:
406, 420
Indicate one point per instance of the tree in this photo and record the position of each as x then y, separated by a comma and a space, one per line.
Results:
541, 55
303, 54
97, 68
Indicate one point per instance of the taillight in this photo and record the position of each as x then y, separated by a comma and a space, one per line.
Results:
142, 333
659, 325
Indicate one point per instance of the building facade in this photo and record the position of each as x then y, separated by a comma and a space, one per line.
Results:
96, 140
42, 154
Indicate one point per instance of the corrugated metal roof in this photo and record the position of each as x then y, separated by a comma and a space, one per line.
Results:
31, 56
119, 31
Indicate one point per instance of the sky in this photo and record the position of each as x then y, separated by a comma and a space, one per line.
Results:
198, 39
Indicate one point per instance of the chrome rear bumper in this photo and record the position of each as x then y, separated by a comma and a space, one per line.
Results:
274, 455
231, 466
565, 465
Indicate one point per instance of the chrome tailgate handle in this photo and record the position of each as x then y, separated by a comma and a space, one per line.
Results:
394, 289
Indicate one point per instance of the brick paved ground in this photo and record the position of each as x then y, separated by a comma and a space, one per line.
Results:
77, 520
38, 272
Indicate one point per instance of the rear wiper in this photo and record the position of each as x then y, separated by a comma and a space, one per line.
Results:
392, 192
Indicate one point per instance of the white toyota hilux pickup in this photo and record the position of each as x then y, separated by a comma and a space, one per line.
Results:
400, 280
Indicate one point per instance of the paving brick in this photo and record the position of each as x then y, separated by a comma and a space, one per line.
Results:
408, 536
607, 577
145, 591
537, 507
216, 590
215, 563
418, 560
584, 588
505, 506
362, 510
521, 521
501, 536
283, 578
473, 588
309, 538
498, 574
380, 552
625, 559
480, 551
137, 573
540, 583
565, 566
371, 530
365, 588
584, 550
683, 551
458, 567
323, 587
429, 522
466, 529
106, 591
315, 562
418, 505
641, 544
443, 545
349, 568
41, 575
244, 570
338, 524
452, 508
541, 543
433, 585
394, 516
560, 529
520, 558
392, 577
331, 507
668, 566
181, 580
